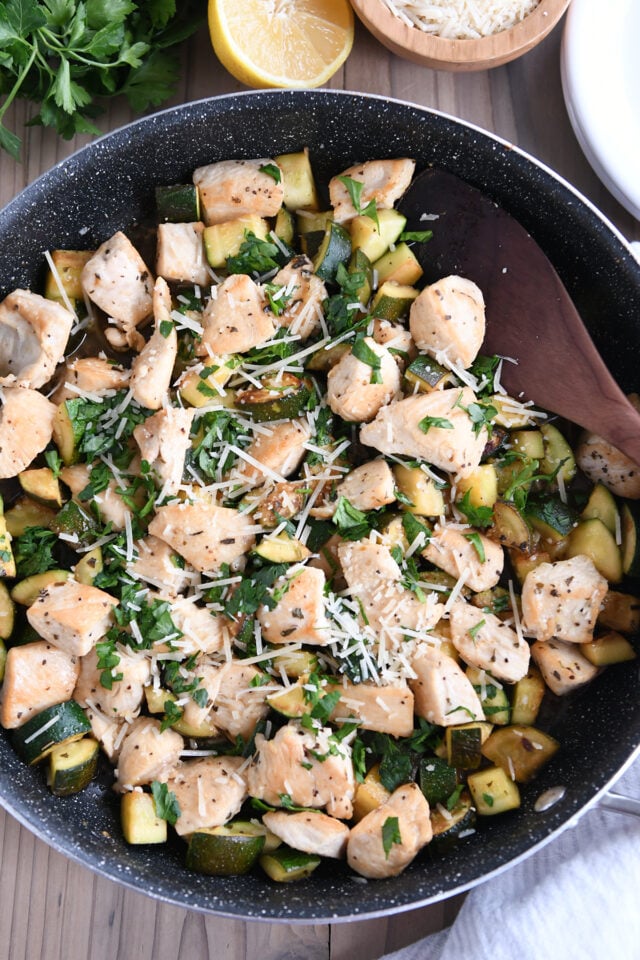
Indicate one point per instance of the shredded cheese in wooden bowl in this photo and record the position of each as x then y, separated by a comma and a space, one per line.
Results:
461, 19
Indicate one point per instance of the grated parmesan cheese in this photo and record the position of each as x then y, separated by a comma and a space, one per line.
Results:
461, 19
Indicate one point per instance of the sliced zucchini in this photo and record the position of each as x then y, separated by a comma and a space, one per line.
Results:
3, 658
449, 824
509, 527
178, 203
223, 240
425, 375
463, 744
602, 504
610, 648
69, 265
552, 518
157, 697
393, 301
72, 766
529, 443
280, 397
7, 560
321, 361
298, 663
399, 265
66, 434
252, 828
376, 238
282, 549
360, 263
592, 539
60, 724
285, 226
370, 794
438, 780
27, 513
89, 566
528, 694
42, 486
206, 386
140, 822
298, 182
524, 563
520, 750
27, 591
620, 611
558, 455
493, 697
223, 852
292, 701
630, 530
285, 865
481, 484
427, 499
73, 519
7, 612
334, 249
493, 791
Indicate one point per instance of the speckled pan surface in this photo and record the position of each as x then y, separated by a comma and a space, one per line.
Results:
108, 186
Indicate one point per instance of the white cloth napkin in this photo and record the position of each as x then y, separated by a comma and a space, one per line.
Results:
578, 898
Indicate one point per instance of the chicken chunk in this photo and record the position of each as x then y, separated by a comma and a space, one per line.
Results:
122, 700
562, 665
395, 338
375, 854
158, 565
151, 370
26, 427
563, 600
368, 487
383, 181
351, 392
205, 535
180, 253
299, 616
72, 616
444, 695
302, 297
163, 440
89, 375
448, 318
110, 505
278, 448
234, 188
277, 502
604, 463
410, 427
37, 675
117, 279
209, 792
288, 764
311, 832
33, 336
451, 550
203, 631
233, 705
387, 709
375, 579
484, 641
235, 319
147, 753
109, 733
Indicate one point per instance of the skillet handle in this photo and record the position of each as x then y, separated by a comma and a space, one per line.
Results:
621, 804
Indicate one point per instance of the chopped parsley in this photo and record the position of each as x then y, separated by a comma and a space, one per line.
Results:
415, 236
488, 799
453, 799
440, 422
473, 631
390, 834
363, 352
354, 189
257, 257
108, 660
165, 801
272, 170
33, 552
475, 539
477, 516
172, 713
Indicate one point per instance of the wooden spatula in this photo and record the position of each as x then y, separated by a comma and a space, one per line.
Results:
530, 316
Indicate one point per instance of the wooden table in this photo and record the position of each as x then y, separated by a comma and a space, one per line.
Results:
53, 909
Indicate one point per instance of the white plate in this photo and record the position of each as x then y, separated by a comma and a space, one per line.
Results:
601, 83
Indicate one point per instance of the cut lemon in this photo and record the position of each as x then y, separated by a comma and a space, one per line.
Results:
281, 43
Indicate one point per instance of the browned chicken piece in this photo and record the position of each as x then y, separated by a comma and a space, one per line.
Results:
302, 297
386, 840
563, 666
387, 709
234, 188
158, 565
72, 616
109, 733
289, 765
443, 693
350, 390
117, 279
33, 337
383, 181
110, 504
277, 502
147, 753
180, 253
395, 338
152, 369
375, 579
604, 463
279, 449
368, 487
562, 600
454, 445
299, 616
163, 440
203, 631
233, 705
89, 375
448, 318
235, 319
311, 832
209, 792
484, 641
450, 550
26, 427
122, 700
205, 535
36, 676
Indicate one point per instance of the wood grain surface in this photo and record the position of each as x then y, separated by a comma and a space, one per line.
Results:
54, 909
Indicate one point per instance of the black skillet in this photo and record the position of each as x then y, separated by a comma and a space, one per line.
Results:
109, 186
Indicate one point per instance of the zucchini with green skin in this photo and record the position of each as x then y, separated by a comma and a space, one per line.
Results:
281, 397
448, 828
558, 455
334, 249
27, 513
399, 265
42, 486
178, 203
282, 549
610, 648
7, 612
493, 791
438, 779
223, 851
7, 561
140, 822
74, 520
591, 538
360, 263
72, 766
68, 266
493, 696
298, 182
520, 750
285, 865
602, 505
552, 518
424, 374
630, 531
51, 727
375, 238
26, 591
392, 301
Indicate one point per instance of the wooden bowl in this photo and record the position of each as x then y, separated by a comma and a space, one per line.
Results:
442, 54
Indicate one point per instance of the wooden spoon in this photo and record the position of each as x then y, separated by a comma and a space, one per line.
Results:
530, 316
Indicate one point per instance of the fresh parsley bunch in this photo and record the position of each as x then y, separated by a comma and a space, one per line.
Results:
67, 56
